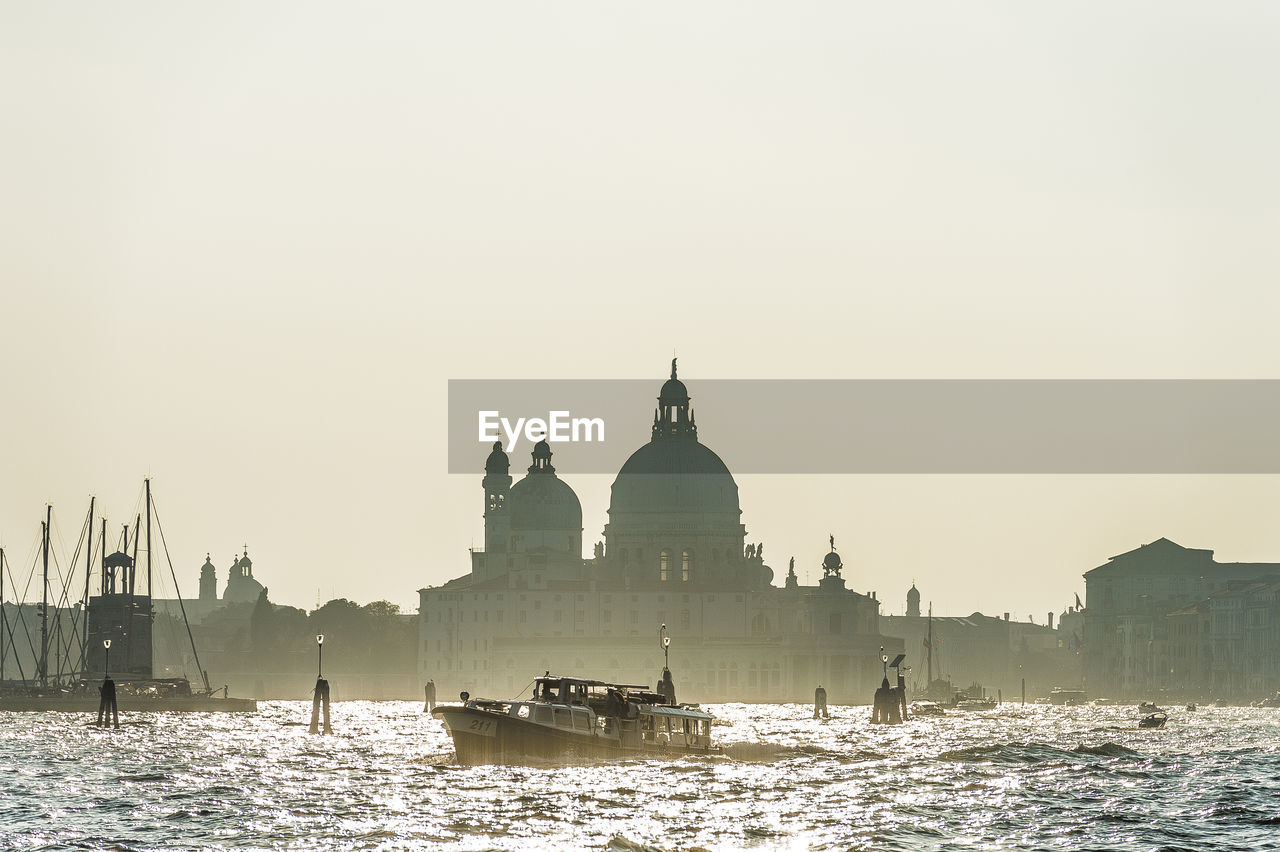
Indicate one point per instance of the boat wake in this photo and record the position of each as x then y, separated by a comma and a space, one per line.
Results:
1035, 753
766, 752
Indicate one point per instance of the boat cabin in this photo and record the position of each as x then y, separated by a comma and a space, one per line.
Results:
629, 715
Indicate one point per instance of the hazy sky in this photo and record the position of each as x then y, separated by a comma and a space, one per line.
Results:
243, 246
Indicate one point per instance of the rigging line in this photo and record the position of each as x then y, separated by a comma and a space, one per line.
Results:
63, 649
196, 654
17, 658
22, 620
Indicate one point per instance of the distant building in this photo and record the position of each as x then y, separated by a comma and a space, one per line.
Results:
241, 588
674, 552
996, 653
1167, 617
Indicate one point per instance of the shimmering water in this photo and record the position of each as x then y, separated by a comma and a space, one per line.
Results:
1017, 778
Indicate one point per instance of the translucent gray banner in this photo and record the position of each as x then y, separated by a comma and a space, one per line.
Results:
857, 426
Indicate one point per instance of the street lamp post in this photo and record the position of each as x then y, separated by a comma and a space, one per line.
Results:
320, 655
666, 647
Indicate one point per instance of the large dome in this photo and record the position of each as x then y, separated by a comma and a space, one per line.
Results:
674, 476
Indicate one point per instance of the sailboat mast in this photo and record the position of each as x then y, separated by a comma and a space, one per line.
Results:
44, 596
3, 618
102, 554
88, 571
930, 655
148, 482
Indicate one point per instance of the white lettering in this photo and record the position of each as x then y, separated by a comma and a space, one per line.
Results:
536, 429
512, 434
587, 423
488, 425
559, 426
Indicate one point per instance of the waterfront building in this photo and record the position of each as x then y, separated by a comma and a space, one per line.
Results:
1164, 617
674, 551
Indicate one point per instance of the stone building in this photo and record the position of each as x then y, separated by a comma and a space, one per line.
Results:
1164, 617
674, 552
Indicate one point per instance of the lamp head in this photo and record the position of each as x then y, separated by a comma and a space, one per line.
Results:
106, 643
319, 638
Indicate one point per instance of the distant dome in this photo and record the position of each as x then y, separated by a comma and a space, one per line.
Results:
832, 562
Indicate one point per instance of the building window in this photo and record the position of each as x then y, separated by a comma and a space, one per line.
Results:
684, 566
684, 619
606, 616
663, 566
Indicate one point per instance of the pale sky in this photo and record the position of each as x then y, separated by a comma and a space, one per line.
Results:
243, 247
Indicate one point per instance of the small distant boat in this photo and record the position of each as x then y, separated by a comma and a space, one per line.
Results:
1154, 720
925, 708
1191, 708
974, 704
1148, 707
1272, 701
573, 718
1067, 697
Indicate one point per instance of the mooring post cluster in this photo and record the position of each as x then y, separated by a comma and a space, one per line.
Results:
890, 704
320, 699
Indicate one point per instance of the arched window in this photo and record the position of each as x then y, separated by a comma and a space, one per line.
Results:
685, 559
664, 566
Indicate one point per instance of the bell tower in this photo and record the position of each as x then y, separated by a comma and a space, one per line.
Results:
497, 518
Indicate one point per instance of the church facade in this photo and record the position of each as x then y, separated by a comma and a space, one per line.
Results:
674, 553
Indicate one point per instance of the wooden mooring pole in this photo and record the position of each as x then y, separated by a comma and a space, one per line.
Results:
108, 712
320, 700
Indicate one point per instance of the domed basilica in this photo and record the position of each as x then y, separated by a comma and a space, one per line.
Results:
673, 552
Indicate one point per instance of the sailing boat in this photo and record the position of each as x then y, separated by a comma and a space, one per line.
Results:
119, 617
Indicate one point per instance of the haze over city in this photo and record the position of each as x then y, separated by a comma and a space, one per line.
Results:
246, 247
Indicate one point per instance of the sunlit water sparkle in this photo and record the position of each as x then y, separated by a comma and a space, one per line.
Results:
1032, 777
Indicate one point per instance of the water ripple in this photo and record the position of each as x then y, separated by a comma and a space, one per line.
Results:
1016, 778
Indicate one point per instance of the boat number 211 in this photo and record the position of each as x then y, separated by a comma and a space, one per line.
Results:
481, 726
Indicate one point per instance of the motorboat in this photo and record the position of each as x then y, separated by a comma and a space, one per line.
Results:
571, 719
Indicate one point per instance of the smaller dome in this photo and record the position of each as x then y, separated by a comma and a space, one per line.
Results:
542, 501
497, 461
673, 392
832, 562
